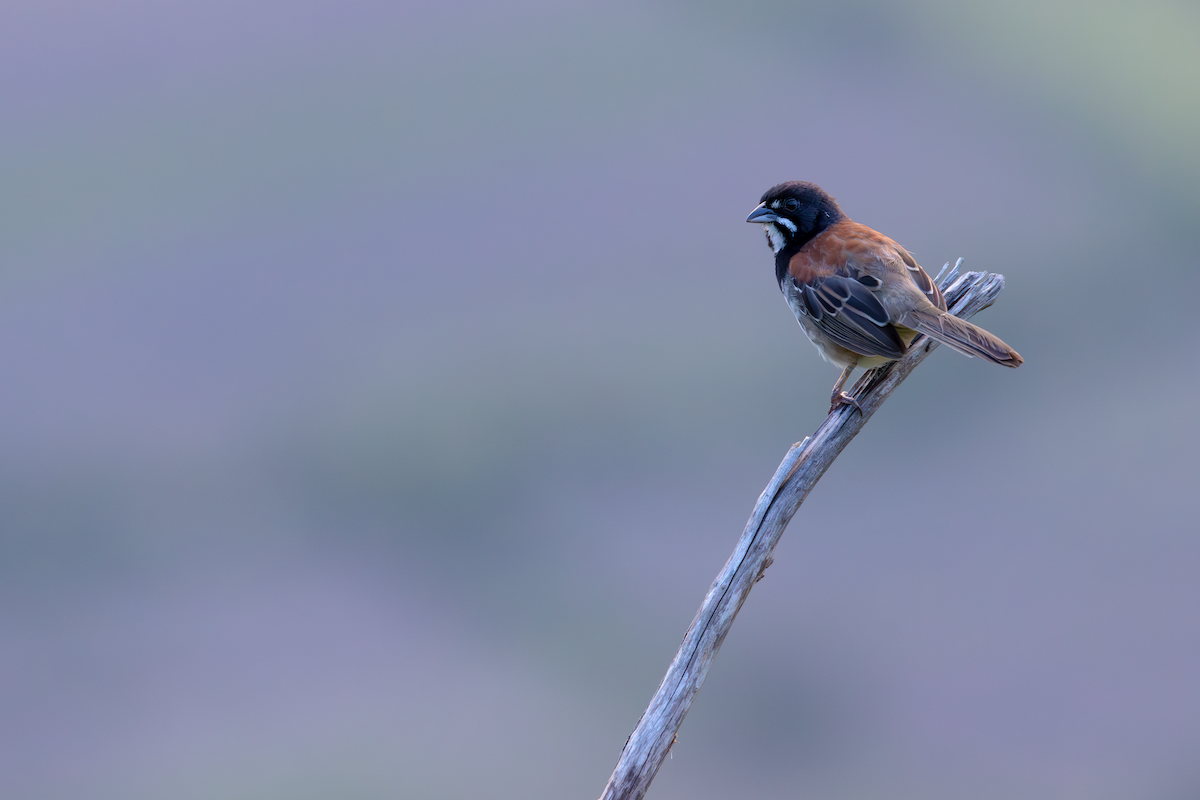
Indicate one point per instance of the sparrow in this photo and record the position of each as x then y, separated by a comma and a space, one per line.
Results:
858, 296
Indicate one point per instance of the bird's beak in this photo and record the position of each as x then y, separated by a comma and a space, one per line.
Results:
762, 214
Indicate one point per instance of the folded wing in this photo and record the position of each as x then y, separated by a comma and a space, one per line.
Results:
850, 314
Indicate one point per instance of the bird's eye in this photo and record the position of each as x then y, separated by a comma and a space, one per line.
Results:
792, 204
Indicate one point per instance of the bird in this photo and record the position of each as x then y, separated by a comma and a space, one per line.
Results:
859, 296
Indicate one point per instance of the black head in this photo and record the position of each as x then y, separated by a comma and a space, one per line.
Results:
792, 213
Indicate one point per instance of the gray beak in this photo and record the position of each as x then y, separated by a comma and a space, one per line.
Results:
762, 214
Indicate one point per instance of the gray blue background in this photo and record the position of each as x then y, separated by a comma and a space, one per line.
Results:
383, 384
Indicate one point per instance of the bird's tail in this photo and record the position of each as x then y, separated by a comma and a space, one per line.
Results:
960, 335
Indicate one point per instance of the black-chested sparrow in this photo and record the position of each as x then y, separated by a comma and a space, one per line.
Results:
859, 296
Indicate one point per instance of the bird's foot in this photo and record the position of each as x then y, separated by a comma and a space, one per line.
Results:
843, 399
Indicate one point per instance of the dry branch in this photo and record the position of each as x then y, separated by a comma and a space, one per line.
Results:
802, 467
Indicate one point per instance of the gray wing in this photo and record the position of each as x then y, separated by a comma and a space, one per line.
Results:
847, 311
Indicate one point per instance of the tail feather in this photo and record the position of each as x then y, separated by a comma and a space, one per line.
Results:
960, 335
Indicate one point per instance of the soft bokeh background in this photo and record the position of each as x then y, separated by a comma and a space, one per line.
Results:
384, 384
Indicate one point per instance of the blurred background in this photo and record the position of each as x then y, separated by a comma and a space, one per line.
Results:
385, 383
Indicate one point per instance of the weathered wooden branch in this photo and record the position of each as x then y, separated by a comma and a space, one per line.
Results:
802, 467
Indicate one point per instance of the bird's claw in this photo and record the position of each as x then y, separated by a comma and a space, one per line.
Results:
843, 399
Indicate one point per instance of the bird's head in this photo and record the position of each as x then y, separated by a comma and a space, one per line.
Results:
793, 213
